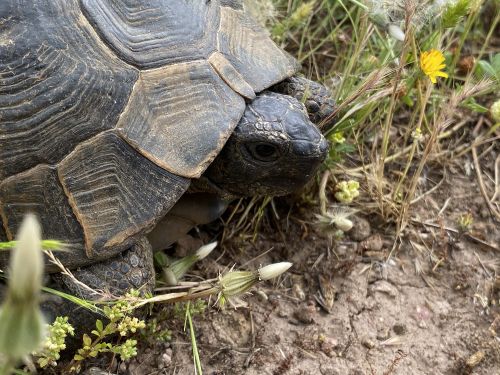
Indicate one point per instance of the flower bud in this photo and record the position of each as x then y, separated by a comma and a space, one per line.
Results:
344, 224
237, 282
396, 32
26, 261
347, 191
21, 320
495, 111
205, 250
273, 270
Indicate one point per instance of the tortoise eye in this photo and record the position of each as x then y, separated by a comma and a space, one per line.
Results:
262, 151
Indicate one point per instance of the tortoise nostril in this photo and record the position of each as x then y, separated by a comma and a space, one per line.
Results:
311, 149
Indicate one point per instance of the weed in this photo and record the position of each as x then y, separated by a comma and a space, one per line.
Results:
120, 322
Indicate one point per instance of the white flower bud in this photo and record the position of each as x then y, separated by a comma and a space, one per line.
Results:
26, 263
396, 32
205, 250
344, 224
21, 320
273, 270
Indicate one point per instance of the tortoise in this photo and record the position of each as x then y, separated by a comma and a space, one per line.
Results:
125, 123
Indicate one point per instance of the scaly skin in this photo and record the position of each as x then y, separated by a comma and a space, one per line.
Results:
316, 97
132, 269
274, 149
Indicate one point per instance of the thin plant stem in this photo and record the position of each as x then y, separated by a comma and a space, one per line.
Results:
196, 354
471, 19
423, 106
388, 119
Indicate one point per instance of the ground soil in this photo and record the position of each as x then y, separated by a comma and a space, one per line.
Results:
432, 308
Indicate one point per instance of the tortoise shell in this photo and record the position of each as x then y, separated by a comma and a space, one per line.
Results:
108, 108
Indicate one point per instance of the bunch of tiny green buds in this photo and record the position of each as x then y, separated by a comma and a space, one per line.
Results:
347, 191
54, 342
121, 322
130, 324
126, 350
337, 137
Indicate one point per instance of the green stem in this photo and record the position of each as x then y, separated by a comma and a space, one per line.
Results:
471, 19
485, 44
196, 354
390, 114
423, 106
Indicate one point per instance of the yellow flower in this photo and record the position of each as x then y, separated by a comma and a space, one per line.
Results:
431, 63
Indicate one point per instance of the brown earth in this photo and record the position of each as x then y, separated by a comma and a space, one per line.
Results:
432, 308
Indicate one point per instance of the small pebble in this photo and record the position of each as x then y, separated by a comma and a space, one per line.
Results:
475, 359
399, 329
372, 243
361, 229
422, 324
97, 371
165, 359
305, 313
385, 287
383, 334
367, 343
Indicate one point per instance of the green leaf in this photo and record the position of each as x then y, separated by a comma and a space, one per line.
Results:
99, 325
408, 101
486, 68
87, 341
78, 357
495, 63
474, 106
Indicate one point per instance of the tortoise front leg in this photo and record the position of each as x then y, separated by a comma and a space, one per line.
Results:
191, 210
316, 97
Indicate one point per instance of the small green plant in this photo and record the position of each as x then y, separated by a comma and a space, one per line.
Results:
465, 222
491, 68
120, 322
454, 11
347, 191
55, 342
155, 332
298, 17
196, 307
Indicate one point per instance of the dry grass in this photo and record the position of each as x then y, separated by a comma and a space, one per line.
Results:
398, 125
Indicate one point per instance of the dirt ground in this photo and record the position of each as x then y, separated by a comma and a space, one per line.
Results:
433, 308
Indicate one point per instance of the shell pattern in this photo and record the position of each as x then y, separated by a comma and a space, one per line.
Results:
109, 107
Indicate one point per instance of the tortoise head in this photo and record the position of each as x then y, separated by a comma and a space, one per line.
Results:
274, 150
